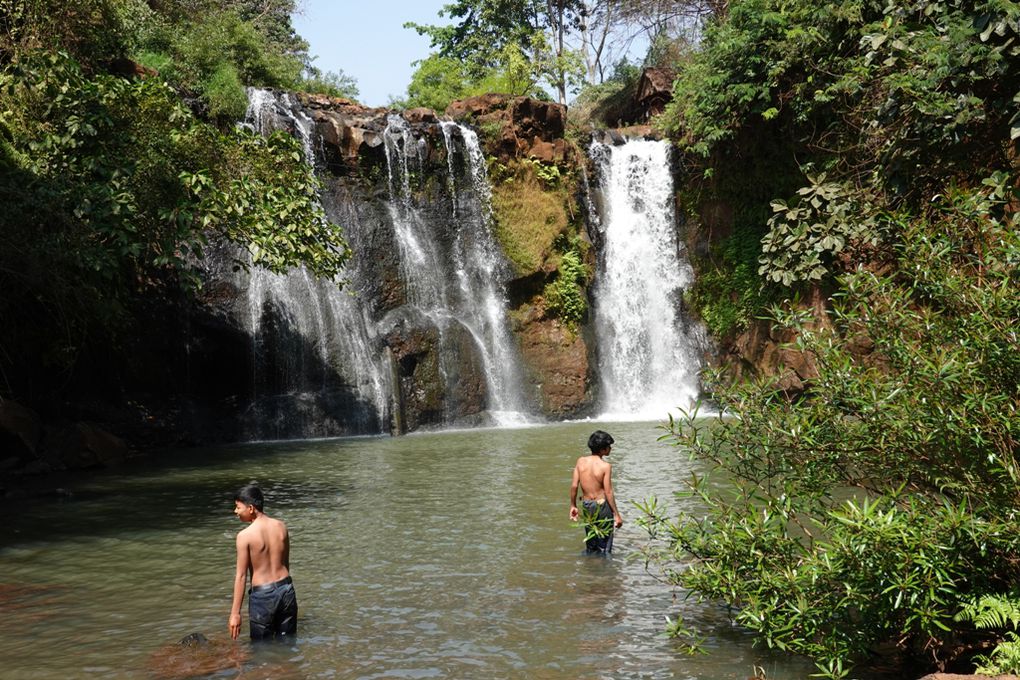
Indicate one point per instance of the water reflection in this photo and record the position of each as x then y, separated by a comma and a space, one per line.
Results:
437, 555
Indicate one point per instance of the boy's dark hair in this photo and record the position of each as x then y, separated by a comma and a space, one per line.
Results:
250, 494
599, 440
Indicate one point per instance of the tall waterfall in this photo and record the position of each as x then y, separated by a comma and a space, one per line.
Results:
334, 362
648, 350
459, 284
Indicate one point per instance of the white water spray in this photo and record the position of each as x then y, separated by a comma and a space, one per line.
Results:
648, 357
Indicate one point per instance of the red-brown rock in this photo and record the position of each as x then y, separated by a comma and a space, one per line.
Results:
527, 128
556, 359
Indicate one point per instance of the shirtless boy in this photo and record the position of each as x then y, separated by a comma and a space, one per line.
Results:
595, 477
263, 551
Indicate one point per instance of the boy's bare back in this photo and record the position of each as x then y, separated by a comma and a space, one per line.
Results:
592, 473
266, 543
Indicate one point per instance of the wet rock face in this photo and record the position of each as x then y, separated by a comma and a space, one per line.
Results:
556, 359
29, 445
764, 350
527, 128
435, 391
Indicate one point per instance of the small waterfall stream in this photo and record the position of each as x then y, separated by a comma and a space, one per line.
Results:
648, 349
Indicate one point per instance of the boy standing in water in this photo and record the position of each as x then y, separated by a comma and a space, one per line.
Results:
263, 550
595, 477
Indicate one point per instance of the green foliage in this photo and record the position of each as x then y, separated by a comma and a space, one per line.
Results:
909, 86
996, 612
331, 83
727, 291
991, 611
439, 80
224, 95
805, 234
609, 102
565, 296
532, 207
206, 47
112, 187
91, 30
482, 29
872, 508
485, 33
217, 56
436, 82
1004, 659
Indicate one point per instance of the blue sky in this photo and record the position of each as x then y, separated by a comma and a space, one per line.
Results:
368, 41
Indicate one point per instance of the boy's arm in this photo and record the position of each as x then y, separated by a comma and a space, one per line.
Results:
610, 498
575, 480
240, 578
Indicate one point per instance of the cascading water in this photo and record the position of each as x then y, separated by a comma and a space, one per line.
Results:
422, 321
475, 303
648, 351
335, 350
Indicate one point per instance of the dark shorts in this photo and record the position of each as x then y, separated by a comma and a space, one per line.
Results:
272, 610
598, 527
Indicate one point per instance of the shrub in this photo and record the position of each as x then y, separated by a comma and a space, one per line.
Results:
565, 296
113, 187
869, 510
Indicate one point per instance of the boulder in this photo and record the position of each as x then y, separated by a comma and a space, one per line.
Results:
420, 115
196, 656
20, 430
107, 448
351, 135
75, 446
440, 374
127, 68
767, 351
524, 127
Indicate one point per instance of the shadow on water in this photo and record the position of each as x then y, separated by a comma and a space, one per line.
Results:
172, 492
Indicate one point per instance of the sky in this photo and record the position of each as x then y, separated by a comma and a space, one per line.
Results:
368, 41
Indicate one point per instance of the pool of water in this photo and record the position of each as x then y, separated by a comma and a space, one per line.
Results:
440, 555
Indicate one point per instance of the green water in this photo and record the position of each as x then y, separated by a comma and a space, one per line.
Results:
445, 555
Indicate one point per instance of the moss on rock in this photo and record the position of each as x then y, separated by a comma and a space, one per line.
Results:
530, 212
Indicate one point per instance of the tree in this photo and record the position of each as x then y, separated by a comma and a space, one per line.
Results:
332, 83
868, 510
440, 80
872, 509
112, 189
486, 27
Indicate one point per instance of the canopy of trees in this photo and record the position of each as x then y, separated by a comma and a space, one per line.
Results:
112, 186
567, 44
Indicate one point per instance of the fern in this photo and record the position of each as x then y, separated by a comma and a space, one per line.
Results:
992, 611
1004, 659
996, 611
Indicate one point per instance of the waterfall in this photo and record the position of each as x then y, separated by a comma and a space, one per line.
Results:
320, 353
420, 333
457, 283
648, 350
